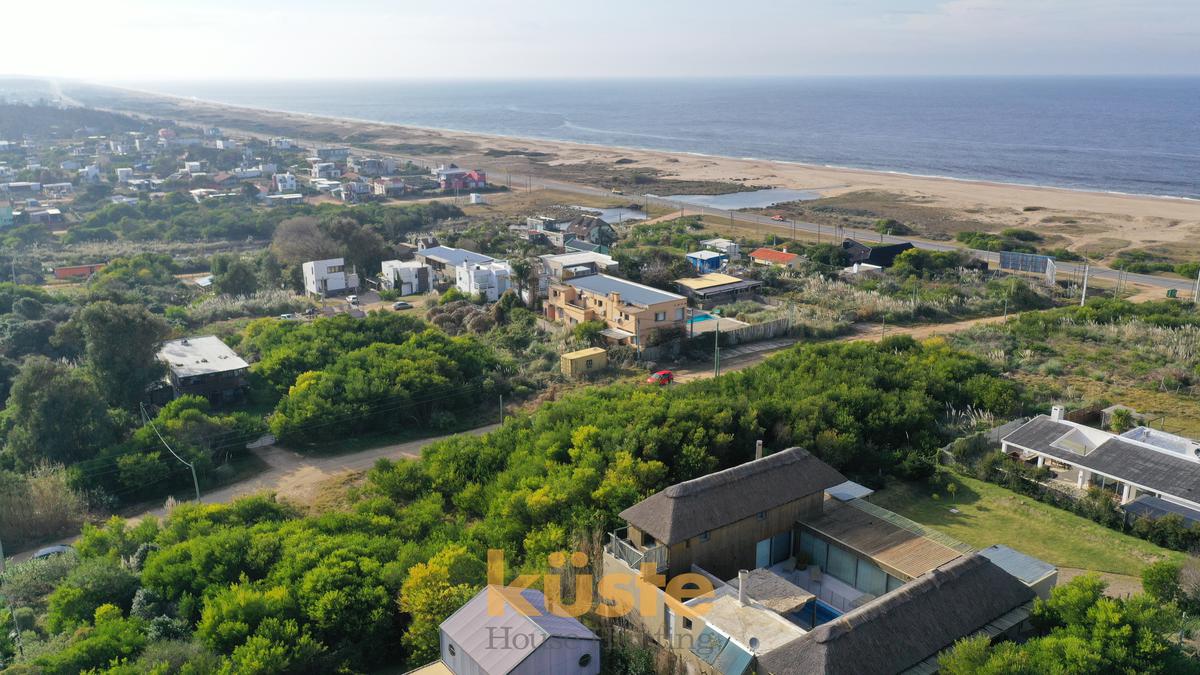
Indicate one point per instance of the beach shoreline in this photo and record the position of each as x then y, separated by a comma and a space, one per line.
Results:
1081, 220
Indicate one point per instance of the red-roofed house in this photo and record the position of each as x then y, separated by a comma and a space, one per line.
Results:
769, 256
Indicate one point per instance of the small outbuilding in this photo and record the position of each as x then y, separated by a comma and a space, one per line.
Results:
584, 361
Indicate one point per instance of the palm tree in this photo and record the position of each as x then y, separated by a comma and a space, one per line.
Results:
522, 270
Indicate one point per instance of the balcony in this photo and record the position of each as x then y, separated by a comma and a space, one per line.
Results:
621, 548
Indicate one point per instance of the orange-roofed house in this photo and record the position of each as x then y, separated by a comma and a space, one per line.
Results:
769, 256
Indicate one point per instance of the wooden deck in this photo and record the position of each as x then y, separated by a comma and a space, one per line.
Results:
894, 548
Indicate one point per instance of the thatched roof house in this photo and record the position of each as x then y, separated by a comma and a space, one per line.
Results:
688, 509
907, 626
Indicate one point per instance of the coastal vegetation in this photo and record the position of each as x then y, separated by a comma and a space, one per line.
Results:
234, 583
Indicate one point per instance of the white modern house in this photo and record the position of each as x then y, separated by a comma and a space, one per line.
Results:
406, 276
284, 182
510, 631
124, 174
489, 279
329, 277
720, 245
1141, 461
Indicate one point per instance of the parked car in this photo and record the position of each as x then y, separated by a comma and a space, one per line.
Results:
286, 317
401, 305
51, 551
777, 218
662, 377
353, 299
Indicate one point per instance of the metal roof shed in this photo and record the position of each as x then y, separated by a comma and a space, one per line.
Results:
476, 640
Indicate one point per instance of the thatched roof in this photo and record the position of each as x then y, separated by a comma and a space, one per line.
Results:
687, 509
902, 628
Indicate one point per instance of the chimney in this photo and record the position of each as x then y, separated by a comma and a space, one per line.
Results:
1056, 413
758, 449
743, 578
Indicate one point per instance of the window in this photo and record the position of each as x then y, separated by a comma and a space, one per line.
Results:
587, 365
842, 564
585, 660
679, 314
450, 648
668, 623
871, 579
762, 515
660, 316
704, 536
687, 623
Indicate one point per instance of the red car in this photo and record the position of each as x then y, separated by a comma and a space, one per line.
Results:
777, 218
661, 377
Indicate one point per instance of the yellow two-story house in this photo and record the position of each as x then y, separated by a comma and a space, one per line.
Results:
632, 311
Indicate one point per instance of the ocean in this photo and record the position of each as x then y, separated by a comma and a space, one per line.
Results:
1119, 134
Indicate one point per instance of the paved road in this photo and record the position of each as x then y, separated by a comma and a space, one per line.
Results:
292, 474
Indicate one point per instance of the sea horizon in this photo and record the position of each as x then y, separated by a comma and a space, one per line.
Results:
1054, 132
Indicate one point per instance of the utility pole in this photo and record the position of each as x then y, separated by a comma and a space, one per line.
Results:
1083, 296
818, 233
8, 603
717, 344
190, 465
1196, 291
502, 408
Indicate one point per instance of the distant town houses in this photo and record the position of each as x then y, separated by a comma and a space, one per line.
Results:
284, 182
372, 166
333, 154
706, 261
488, 280
730, 248
771, 258
452, 178
329, 277
444, 260
389, 187
407, 277
325, 170
882, 255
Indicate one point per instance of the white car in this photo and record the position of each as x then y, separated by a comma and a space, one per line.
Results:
353, 299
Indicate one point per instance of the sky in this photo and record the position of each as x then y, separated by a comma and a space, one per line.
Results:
145, 40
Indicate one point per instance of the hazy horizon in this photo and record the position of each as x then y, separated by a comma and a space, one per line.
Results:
138, 41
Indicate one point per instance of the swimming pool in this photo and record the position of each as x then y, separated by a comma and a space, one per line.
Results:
821, 612
701, 317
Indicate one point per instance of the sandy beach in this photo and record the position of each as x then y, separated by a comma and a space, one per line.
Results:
1096, 223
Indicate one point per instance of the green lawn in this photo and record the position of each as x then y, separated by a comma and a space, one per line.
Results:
989, 514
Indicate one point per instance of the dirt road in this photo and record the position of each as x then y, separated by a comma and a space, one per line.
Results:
291, 474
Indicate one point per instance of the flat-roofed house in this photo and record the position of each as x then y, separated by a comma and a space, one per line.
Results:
444, 260
715, 288
204, 366
329, 277
706, 261
633, 312
406, 276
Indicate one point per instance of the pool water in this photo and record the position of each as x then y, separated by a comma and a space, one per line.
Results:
805, 616
700, 317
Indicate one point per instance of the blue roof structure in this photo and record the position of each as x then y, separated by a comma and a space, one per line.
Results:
1024, 567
